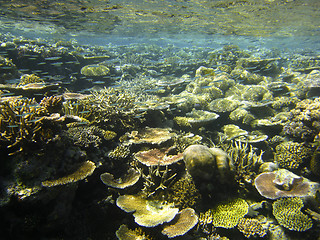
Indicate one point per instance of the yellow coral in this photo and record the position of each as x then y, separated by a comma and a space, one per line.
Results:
29, 78
291, 155
288, 213
85, 170
251, 227
225, 215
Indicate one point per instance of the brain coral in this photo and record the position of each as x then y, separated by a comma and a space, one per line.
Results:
288, 213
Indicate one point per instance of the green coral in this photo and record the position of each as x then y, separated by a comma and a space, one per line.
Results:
291, 155
288, 213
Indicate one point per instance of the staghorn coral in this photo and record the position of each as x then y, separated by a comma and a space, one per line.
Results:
246, 162
303, 122
52, 104
183, 222
86, 169
109, 106
251, 227
147, 213
158, 169
21, 123
292, 155
226, 215
288, 213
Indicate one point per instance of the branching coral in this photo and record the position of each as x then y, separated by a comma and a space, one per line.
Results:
184, 193
21, 122
89, 136
246, 162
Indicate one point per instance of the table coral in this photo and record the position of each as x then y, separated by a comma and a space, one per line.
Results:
147, 213
129, 179
283, 183
85, 170
184, 221
288, 213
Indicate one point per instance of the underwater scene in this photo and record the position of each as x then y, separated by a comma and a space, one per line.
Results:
155, 120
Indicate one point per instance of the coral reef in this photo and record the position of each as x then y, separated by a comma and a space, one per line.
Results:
183, 222
124, 233
89, 136
21, 123
196, 119
288, 213
52, 104
155, 136
246, 162
29, 78
120, 152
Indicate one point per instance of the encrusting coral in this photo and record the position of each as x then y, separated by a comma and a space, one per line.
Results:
288, 213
